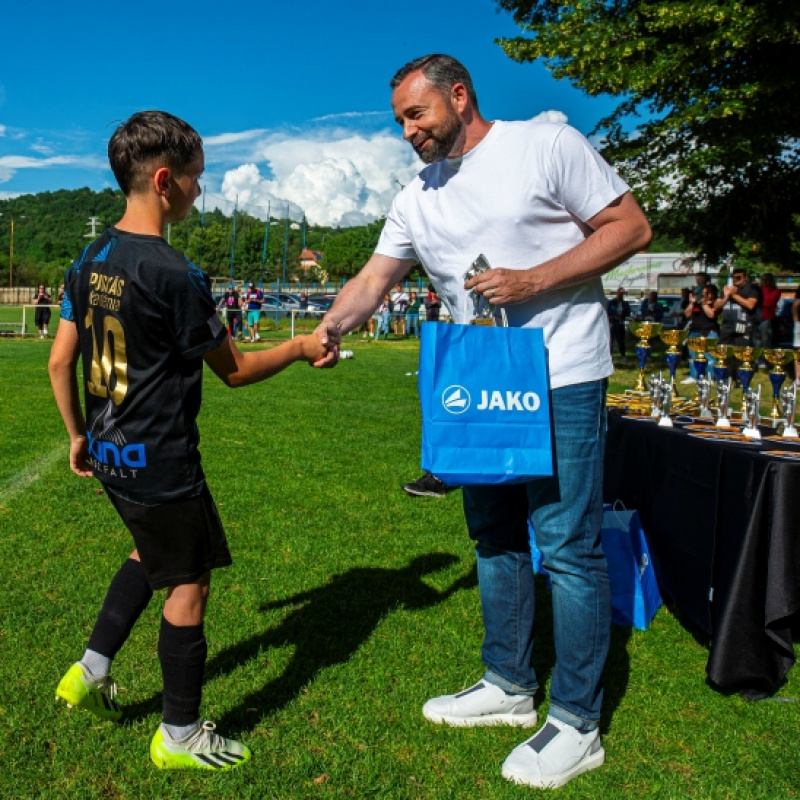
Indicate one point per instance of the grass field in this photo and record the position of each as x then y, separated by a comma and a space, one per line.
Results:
348, 605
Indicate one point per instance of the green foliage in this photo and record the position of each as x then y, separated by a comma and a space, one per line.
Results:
717, 158
350, 249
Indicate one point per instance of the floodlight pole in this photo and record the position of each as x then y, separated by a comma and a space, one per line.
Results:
11, 256
285, 243
233, 240
264, 247
202, 230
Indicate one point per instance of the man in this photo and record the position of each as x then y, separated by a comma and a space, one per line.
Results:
254, 299
618, 311
541, 204
651, 309
740, 308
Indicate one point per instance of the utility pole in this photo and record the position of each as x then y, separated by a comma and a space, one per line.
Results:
264, 247
93, 222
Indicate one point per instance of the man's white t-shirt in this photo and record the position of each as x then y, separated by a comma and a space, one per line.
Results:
520, 197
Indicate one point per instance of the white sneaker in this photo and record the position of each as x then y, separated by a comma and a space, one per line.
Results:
481, 704
554, 755
688, 381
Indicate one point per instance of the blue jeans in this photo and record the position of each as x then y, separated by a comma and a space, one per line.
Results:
383, 325
712, 342
566, 511
412, 324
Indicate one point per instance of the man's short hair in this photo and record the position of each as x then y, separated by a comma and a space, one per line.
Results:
442, 71
148, 140
739, 271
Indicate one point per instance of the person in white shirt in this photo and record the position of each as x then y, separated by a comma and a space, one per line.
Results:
551, 217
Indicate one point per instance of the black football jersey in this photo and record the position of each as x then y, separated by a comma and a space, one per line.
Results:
145, 317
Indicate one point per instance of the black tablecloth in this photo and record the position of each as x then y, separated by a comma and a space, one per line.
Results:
722, 523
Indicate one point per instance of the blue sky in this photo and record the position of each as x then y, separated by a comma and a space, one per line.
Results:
292, 100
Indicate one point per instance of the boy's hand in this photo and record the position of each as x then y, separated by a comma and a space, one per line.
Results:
312, 348
79, 457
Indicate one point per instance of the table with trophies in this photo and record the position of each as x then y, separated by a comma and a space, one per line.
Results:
718, 492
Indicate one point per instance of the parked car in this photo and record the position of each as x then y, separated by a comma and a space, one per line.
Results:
321, 302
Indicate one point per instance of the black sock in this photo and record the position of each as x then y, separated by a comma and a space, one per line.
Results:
126, 599
182, 652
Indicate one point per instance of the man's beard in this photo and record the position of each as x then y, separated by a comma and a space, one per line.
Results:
442, 140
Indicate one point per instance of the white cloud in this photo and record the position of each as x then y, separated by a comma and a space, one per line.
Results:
10, 164
559, 117
2, 129
334, 177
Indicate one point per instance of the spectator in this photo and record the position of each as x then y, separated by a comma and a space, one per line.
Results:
701, 318
739, 306
254, 300
651, 309
384, 317
432, 305
618, 311
770, 298
42, 301
412, 316
399, 306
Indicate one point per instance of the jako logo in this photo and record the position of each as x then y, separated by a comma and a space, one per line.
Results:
455, 399
508, 401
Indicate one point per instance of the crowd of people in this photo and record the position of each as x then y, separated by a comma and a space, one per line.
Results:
744, 312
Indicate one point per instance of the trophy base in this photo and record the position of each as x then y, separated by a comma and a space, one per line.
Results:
665, 422
790, 433
706, 414
723, 422
751, 433
635, 393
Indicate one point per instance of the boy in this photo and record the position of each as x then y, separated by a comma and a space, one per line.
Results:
143, 320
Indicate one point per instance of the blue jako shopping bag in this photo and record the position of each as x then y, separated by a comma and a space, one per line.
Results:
485, 404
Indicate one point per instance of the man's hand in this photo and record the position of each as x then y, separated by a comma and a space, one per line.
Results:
330, 337
503, 286
79, 457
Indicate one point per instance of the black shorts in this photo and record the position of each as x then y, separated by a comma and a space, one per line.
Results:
179, 541
42, 316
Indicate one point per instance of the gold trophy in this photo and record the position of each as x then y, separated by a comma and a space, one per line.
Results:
746, 354
643, 331
700, 346
777, 376
674, 338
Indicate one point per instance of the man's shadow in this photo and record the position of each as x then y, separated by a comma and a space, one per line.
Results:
328, 627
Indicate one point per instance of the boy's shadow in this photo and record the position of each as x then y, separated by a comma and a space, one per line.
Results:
329, 626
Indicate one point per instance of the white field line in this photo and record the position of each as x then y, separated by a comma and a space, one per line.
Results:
30, 474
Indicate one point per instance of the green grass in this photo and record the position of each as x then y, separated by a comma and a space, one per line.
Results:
348, 605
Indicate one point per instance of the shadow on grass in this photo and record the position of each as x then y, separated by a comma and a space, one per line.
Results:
329, 626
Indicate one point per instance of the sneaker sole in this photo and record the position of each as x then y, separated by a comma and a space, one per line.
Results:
555, 781
515, 720
422, 493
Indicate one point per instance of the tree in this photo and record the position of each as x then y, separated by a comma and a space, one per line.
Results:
716, 160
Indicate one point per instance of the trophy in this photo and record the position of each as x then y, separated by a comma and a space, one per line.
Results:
674, 338
776, 377
643, 331
746, 354
723, 401
700, 345
483, 314
704, 395
656, 382
789, 401
667, 390
721, 352
752, 404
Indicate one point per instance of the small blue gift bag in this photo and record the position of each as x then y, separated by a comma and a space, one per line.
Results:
485, 404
